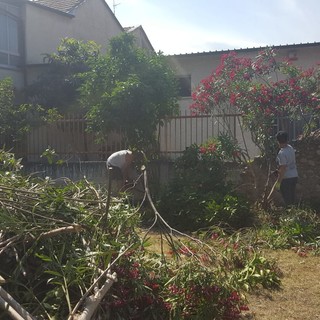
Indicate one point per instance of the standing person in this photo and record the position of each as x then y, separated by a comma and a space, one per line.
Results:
120, 162
287, 169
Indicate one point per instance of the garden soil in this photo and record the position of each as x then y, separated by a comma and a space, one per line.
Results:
299, 296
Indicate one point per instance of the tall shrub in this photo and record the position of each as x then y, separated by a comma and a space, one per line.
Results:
261, 89
199, 179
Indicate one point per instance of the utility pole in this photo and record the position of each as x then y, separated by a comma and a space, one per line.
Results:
114, 6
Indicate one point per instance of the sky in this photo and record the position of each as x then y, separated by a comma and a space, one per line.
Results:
189, 26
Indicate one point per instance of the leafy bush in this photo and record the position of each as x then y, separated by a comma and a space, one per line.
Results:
297, 228
198, 293
199, 196
17, 119
232, 211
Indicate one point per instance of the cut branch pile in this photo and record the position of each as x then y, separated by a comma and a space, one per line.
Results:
61, 247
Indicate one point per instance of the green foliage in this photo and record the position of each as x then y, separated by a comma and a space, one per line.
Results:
248, 267
138, 294
232, 211
292, 228
131, 89
57, 87
50, 155
53, 268
16, 120
8, 162
56, 240
198, 293
198, 196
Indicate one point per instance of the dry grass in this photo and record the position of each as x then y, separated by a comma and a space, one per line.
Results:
299, 298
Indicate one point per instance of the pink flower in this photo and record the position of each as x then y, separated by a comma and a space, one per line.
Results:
203, 150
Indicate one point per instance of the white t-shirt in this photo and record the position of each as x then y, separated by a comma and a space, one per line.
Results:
286, 157
118, 159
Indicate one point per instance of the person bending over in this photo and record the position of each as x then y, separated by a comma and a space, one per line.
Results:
120, 163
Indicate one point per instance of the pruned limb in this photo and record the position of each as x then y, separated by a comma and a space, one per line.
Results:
12, 307
52, 233
169, 232
105, 273
93, 301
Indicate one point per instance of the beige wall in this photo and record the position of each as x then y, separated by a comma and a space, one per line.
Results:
199, 66
45, 28
141, 39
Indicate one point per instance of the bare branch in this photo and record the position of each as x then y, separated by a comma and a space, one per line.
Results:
71, 229
14, 309
93, 301
76, 308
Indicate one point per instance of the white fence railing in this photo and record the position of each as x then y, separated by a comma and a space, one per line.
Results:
71, 141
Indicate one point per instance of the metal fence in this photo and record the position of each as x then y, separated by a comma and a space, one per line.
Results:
72, 142
178, 133
297, 127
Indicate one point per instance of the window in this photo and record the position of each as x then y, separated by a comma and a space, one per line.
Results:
184, 86
9, 35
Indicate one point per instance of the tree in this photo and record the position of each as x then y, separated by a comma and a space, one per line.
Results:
131, 89
127, 88
57, 86
261, 89
17, 119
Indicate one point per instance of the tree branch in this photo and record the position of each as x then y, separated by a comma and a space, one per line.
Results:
12, 307
93, 301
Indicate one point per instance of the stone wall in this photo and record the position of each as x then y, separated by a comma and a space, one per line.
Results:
255, 179
308, 162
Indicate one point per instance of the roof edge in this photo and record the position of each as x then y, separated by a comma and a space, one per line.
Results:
71, 15
288, 46
112, 13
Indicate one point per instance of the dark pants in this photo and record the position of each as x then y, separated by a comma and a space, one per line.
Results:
115, 173
288, 190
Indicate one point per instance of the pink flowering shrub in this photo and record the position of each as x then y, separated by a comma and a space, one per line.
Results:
191, 291
260, 89
199, 182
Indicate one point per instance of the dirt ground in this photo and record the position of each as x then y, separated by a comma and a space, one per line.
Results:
299, 297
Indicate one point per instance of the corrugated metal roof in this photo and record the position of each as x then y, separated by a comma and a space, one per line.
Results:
281, 46
66, 6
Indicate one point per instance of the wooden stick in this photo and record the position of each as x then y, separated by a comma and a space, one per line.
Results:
92, 302
71, 229
13, 307
272, 190
105, 273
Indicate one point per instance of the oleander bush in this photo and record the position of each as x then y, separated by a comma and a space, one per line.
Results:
199, 195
